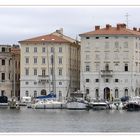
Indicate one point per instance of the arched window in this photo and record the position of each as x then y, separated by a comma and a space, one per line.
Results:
43, 92
126, 92
97, 93
116, 93
35, 93
87, 91
107, 67
27, 93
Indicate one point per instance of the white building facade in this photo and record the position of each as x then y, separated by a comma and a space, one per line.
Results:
110, 62
49, 63
9, 71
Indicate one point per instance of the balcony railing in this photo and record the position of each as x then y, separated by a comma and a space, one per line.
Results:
43, 79
106, 73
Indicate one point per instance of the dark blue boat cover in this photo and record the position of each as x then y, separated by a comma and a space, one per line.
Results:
51, 95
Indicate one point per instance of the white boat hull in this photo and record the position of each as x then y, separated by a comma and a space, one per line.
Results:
76, 106
57, 105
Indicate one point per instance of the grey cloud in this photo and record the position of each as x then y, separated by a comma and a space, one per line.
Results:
18, 23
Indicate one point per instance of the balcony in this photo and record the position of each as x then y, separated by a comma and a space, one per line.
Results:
106, 73
43, 79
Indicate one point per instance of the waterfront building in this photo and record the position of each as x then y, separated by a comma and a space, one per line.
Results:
110, 62
50, 63
9, 70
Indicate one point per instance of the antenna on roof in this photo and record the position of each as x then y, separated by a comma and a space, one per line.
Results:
127, 20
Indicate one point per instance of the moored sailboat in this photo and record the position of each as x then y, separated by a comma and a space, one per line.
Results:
77, 101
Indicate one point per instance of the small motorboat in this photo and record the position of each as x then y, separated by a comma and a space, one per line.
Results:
133, 104
4, 101
98, 105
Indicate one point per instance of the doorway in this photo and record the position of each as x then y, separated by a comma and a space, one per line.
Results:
43, 92
107, 93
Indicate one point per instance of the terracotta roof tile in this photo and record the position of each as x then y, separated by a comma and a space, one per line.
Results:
112, 31
46, 38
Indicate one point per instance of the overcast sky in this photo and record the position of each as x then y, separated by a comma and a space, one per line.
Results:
19, 23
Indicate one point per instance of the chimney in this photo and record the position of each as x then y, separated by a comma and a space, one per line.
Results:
118, 26
97, 27
108, 26
60, 31
121, 25
134, 29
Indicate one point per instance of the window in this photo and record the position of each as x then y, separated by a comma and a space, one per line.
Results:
43, 72
87, 37
60, 49
60, 71
87, 56
116, 93
107, 80
60, 95
9, 76
26, 83
52, 59
125, 44
87, 91
35, 83
35, 71
27, 49
126, 92
97, 56
107, 67
52, 49
87, 68
35, 49
43, 49
126, 67
97, 66
2, 76
9, 62
96, 93
26, 71
2, 92
97, 37
87, 80
96, 80
43, 60
27, 60
116, 80
26, 93
106, 37
107, 56
35, 93
3, 62
126, 56
3, 49
60, 60
60, 83
35, 60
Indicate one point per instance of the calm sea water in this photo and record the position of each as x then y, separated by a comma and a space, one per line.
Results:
30, 120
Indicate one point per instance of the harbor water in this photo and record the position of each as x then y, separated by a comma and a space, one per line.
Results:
64, 121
